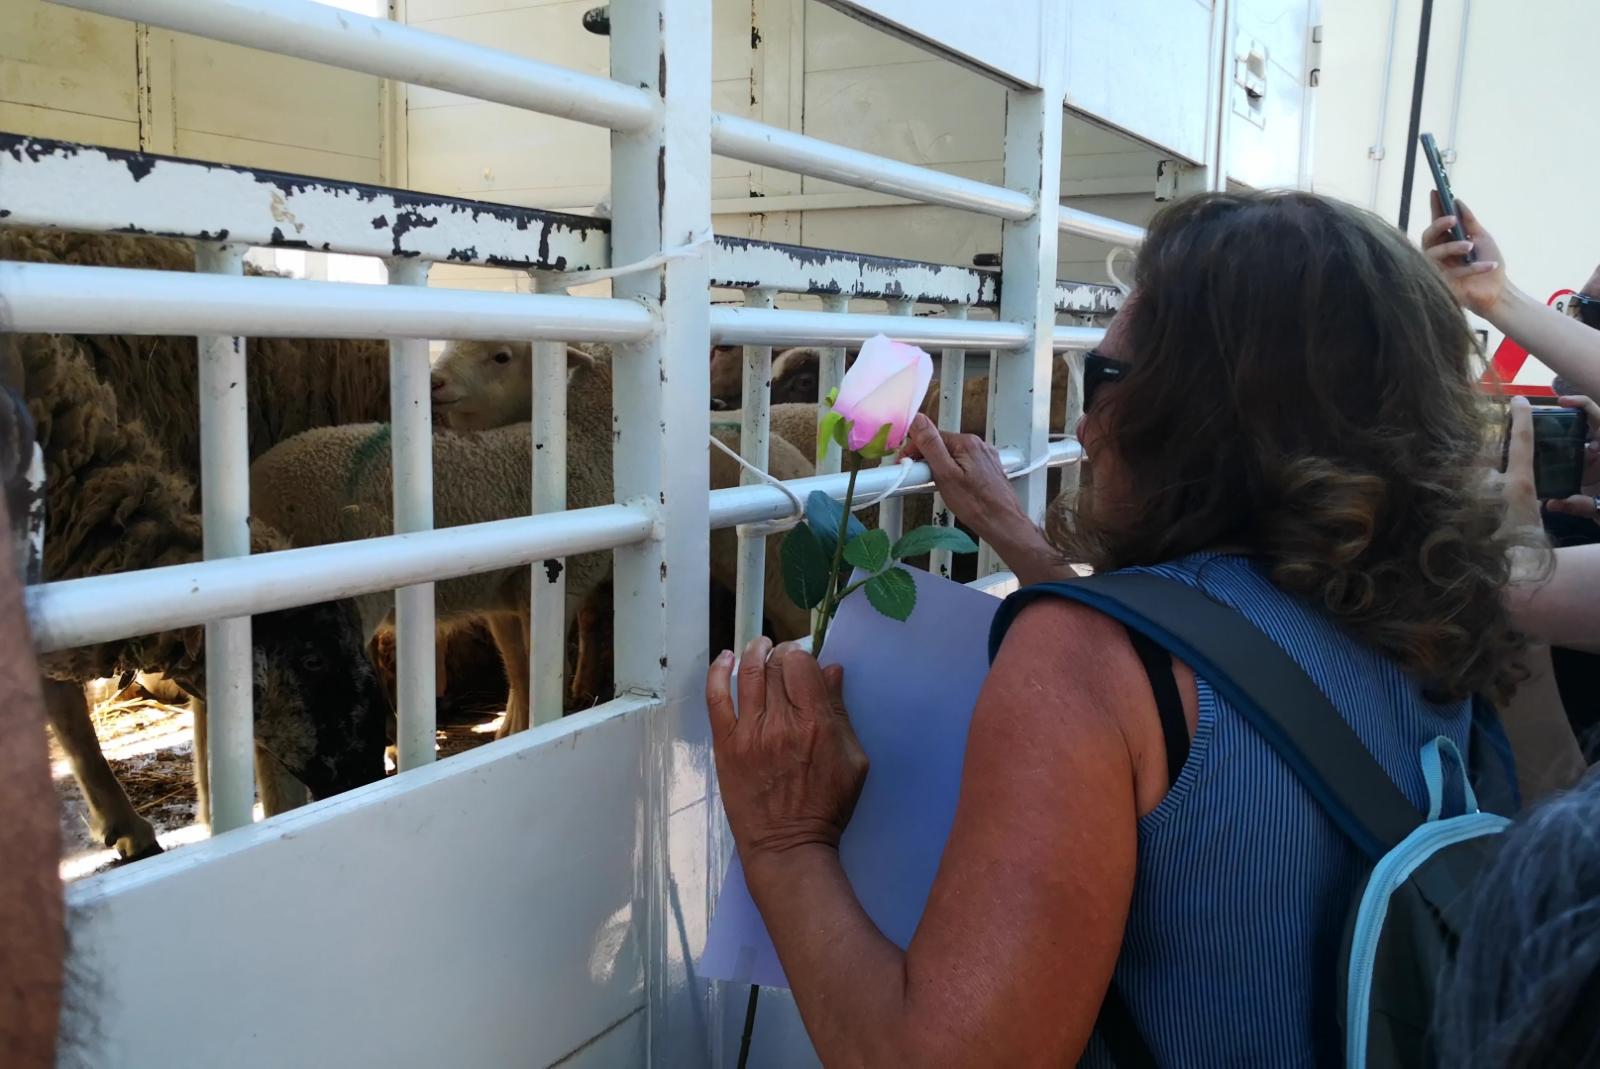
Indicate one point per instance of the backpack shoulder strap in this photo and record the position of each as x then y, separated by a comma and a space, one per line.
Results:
1262, 682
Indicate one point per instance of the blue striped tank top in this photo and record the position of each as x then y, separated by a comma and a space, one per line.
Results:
1243, 884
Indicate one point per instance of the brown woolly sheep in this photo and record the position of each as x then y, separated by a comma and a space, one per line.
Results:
293, 384
333, 484
115, 503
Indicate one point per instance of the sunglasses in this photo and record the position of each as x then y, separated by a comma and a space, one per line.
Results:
1584, 309
1100, 370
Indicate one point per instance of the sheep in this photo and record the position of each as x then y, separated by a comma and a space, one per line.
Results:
727, 376
794, 376
485, 384
115, 503
333, 484
22, 482
292, 384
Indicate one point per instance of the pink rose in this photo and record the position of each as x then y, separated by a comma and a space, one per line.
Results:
878, 398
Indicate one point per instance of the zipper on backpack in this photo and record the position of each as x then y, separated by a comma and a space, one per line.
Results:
1392, 870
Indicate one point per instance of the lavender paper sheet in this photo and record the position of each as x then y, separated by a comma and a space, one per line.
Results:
910, 688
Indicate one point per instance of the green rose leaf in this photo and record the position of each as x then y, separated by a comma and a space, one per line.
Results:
878, 448
822, 516
893, 593
927, 539
826, 431
869, 551
805, 567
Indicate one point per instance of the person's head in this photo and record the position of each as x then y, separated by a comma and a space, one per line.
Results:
1300, 388
1525, 984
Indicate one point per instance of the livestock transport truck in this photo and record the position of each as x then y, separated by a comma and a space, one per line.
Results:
772, 173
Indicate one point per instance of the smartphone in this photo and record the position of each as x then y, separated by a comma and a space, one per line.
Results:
1447, 199
1559, 435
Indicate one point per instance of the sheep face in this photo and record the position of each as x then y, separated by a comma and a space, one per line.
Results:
481, 385
795, 375
319, 707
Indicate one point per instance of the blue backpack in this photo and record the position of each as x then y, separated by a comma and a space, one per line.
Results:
1406, 921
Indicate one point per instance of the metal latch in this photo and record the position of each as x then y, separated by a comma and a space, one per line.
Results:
1250, 79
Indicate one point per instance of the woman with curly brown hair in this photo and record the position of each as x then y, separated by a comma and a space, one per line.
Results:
1284, 417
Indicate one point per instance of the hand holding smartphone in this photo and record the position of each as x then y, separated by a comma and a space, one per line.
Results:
1559, 437
1447, 198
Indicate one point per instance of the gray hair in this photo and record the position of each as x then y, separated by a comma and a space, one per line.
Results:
1564, 387
1524, 986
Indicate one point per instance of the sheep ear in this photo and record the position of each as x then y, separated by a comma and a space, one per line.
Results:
577, 358
192, 638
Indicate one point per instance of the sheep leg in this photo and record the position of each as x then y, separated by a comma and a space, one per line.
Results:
111, 815
588, 674
202, 763
511, 640
279, 790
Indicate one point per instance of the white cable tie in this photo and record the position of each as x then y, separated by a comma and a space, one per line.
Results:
1038, 462
765, 527
700, 241
1111, 269
899, 481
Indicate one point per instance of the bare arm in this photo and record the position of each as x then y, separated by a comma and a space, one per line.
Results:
31, 933
1563, 609
1568, 347
1024, 923
1565, 345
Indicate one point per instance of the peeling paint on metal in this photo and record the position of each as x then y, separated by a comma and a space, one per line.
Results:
59, 184
139, 193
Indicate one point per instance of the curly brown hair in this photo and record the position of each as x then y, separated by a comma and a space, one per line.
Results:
1302, 390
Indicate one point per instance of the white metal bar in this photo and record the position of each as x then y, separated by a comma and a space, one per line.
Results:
377, 46
547, 619
891, 514
225, 500
390, 50
78, 612
85, 187
752, 504
57, 298
754, 436
1020, 382
1063, 338
768, 146
830, 373
739, 263
1089, 225
952, 390
411, 421
661, 196
790, 326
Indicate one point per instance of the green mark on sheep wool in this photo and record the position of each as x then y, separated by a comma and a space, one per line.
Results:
368, 451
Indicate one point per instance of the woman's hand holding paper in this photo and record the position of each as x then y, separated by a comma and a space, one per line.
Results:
788, 763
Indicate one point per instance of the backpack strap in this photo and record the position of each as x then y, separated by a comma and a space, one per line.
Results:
1261, 681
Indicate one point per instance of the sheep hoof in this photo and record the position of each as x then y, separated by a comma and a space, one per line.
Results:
136, 845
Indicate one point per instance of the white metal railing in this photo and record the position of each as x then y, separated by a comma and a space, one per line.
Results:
1088, 225
406, 54
659, 320
78, 612
56, 298
93, 188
